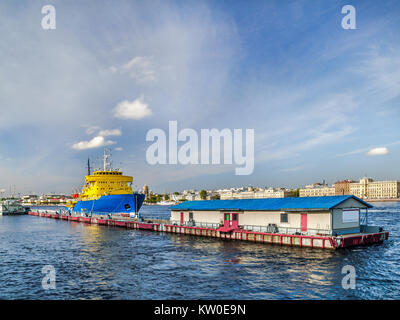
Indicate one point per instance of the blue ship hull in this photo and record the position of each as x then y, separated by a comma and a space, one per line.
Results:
120, 203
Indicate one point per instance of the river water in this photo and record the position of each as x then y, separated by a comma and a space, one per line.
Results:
98, 262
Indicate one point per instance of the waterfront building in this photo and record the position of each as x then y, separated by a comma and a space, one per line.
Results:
254, 193
317, 190
47, 199
197, 197
175, 197
212, 194
29, 199
272, 193
367, 188
343, 187
249, 194
331, 215
225, 195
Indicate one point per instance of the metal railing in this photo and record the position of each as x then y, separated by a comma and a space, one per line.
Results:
286, 230
49, 211
154, 217
254, 228
196, 224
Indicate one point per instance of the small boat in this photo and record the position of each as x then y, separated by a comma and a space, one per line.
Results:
166, 203
12, 207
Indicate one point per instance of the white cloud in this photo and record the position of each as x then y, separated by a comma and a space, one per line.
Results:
96, 142
362, 150
136, 109
112, 132
92, 129
378, 151
118, 149
141, 69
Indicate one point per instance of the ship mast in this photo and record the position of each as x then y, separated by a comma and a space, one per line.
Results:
106, 162
88, 166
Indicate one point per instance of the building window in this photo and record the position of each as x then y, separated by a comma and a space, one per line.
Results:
284, 218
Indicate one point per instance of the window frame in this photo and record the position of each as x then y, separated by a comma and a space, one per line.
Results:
284, 214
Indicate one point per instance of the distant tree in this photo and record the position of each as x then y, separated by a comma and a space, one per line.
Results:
295, 193
216, 197
176, 193
166, 197
203, 194
154, 198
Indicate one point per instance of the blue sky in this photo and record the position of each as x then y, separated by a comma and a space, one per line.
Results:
318, 97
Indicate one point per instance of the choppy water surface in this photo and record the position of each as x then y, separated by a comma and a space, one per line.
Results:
97, 262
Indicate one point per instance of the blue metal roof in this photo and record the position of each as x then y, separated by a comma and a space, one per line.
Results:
327, 202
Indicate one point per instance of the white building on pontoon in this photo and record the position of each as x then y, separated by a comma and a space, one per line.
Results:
331, 215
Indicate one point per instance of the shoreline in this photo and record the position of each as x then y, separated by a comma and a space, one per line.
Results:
382, 200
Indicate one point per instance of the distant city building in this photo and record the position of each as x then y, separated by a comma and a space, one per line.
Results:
252, 193
370, 189
226, 195
317, 190
366, 188
146, 191
273, 193
45, 199
343, 187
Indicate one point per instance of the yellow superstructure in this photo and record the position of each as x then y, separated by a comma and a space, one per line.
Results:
104, 183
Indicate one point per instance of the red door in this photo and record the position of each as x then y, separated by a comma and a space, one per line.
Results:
304, 222
235, 220
182, 218
227, 219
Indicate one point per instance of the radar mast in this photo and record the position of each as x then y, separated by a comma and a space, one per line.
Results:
107, 160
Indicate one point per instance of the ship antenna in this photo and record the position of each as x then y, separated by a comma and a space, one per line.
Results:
104, 159
106, 163
88, 166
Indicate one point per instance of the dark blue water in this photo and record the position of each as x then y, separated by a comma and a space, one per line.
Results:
97, 262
